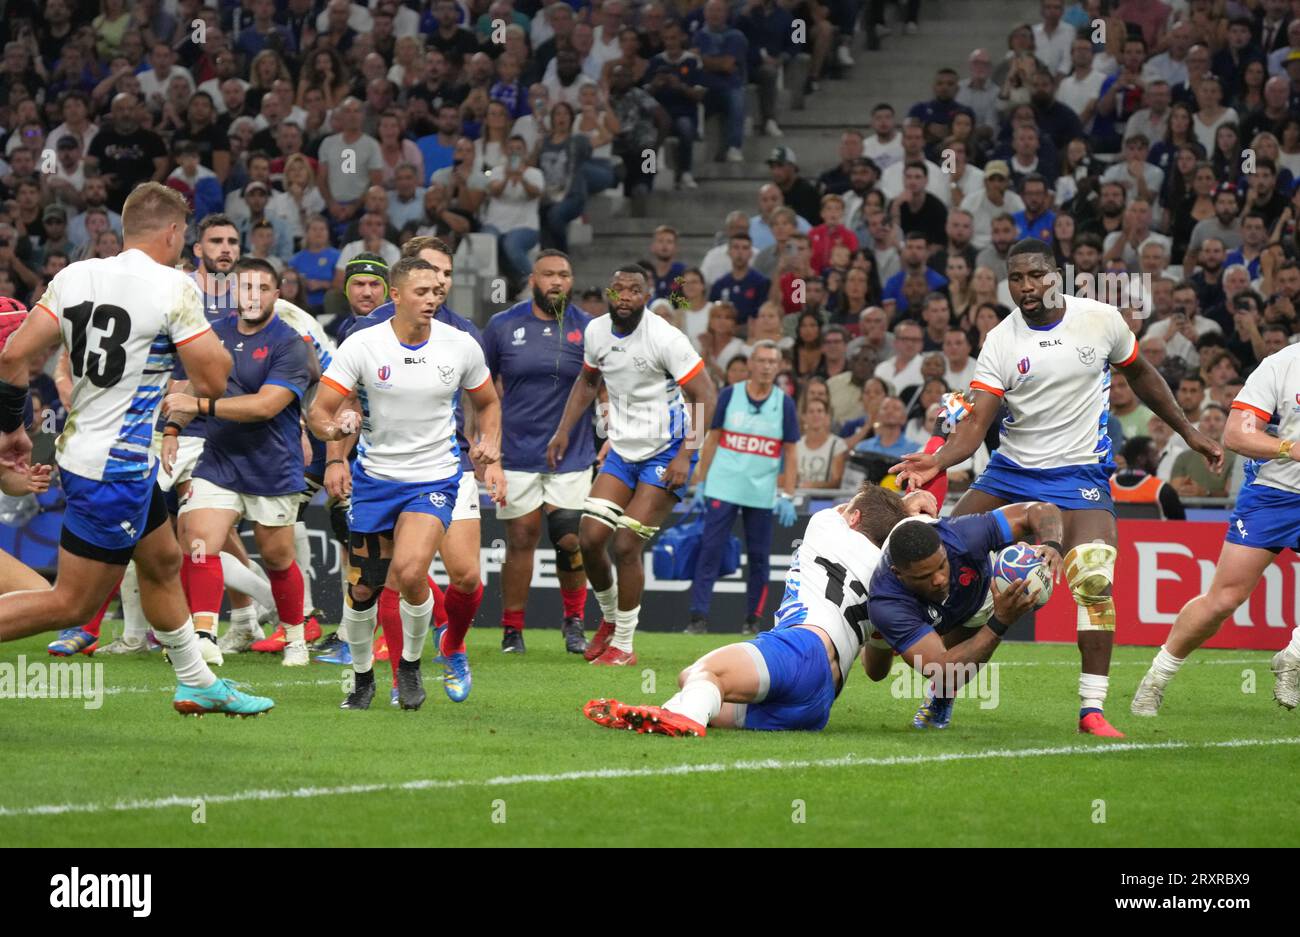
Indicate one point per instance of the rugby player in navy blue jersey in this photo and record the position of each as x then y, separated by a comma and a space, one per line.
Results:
534, 350
251, 467
931, 597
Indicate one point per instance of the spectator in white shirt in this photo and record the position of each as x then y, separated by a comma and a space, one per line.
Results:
1080, 89
891, 180
884, 145
1171, 65
959, 366
605, 42
511, 212
372, 241
904, 368
995, 199
1052, 38
1139, 178
154, 81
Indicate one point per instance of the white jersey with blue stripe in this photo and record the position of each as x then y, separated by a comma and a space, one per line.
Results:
1272, 393
306, 325
122, 319
826, 585
1055, 382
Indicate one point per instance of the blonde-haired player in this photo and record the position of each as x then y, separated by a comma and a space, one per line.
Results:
124, 321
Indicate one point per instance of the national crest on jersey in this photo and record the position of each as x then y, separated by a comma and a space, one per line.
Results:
1055, 383
826, 584
121, 319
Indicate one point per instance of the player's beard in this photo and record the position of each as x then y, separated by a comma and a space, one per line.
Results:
262, 316
210, 266
554, 307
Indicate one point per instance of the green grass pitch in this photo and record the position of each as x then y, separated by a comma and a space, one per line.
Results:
517, 764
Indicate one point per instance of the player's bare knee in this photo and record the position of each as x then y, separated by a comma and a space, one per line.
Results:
627, 548
465, 580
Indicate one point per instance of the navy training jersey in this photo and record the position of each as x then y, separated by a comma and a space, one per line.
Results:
263, 458
903, 617
447, 317
538, 360
215, 309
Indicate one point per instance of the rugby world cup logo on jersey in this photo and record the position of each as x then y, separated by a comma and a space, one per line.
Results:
521, 336
1023, 365
385, 372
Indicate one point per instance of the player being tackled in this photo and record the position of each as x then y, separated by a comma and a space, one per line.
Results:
788, 678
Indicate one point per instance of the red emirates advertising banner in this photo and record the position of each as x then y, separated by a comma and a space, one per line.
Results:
1165, 564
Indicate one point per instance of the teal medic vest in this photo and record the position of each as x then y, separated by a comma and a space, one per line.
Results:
749, 457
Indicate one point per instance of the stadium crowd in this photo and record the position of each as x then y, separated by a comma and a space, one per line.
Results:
1140, 138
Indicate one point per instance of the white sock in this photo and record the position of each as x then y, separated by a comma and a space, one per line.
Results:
135, 625
700, 700
358, 630
624, 628
187, 660
294, 633
302, 547
1092, 690
415, 627
1165, 666
244, 619
242, 579
608, 602
1294, 647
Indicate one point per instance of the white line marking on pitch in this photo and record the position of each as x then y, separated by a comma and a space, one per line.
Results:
608, 774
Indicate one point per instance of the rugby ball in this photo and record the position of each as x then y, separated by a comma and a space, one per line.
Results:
1019, 561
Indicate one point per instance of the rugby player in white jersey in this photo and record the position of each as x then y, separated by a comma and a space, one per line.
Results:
124, 320
1049, 362
1264, 427
406, 372
788, 678
652, 374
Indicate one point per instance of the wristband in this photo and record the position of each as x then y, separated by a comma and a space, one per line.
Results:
13, 401
336, 462
212, 407
1284, 450
997, 627
172, 424
785, 495
1055, 545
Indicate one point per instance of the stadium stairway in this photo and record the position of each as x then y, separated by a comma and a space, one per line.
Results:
901, 72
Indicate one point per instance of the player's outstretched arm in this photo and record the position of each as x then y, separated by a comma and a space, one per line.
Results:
27, 345
918, 468
1248, 435
1153, 390
951, 668
269, 400
581, 396
207, 364
1042, 524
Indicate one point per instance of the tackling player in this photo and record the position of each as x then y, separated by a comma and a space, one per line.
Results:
453, 612
1264, 427
788, 678
648, 367
934, 594
252, 464
535, 350
1049, 362
406, 373
124, 321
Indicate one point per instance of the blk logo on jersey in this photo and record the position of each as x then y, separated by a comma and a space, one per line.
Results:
1088, 355
385, 372
1023, 365
414, 360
